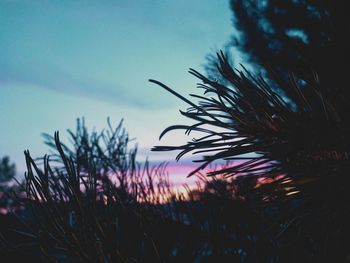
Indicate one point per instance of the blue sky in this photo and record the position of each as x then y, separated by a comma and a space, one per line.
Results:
60, 60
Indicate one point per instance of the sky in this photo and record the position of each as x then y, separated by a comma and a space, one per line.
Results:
60, 60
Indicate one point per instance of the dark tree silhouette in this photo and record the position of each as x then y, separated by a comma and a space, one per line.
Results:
7, 170
289, 128
248, 122
294, 119
294, 37
7, 175
290, 35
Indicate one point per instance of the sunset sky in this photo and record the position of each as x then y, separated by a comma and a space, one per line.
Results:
60, 60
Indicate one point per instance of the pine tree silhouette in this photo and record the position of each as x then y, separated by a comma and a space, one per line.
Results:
290, 127
294, 37
7, 174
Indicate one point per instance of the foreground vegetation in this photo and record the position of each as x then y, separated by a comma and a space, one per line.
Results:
91, 201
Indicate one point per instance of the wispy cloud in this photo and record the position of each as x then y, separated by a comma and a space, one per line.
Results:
47, 77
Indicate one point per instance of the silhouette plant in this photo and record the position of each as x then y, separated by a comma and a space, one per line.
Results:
93, 202
269, 31
297, 37
7, 170
97, 202
299, 144
7, 183
248, 117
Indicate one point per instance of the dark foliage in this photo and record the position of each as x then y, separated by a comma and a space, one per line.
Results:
299, 143
94, 204
7, 183
294, 37
280, 135
79, 209
7, 170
